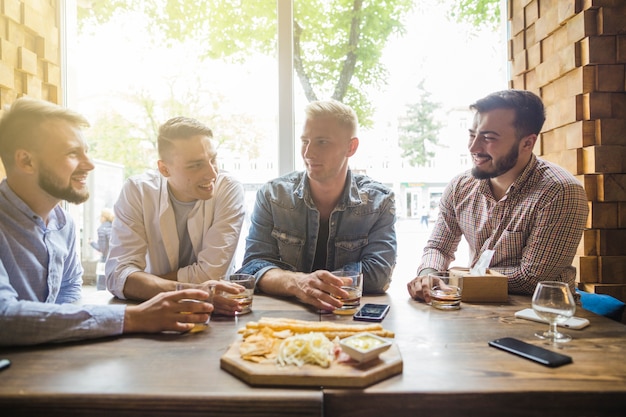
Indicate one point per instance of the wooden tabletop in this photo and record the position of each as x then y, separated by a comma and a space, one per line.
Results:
448, 370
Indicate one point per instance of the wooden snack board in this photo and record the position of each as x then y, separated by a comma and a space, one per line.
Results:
349, 374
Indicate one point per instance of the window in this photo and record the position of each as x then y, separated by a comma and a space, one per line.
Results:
126, 85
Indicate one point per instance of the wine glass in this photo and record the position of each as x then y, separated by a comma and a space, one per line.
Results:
553, 301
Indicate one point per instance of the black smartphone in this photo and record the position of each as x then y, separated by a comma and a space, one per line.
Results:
534, 353
372, 312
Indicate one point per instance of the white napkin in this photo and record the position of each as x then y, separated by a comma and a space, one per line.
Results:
480, 268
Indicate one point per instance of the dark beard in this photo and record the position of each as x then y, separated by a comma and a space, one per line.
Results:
501, 166
48, 183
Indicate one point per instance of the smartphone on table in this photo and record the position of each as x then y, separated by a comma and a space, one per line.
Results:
372, 312
534, 353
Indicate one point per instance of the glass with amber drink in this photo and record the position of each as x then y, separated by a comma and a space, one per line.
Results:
206, 286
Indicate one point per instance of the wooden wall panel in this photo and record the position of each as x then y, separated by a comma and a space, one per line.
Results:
29, 51
573, 53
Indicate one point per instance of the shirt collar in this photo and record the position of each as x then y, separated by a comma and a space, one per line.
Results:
350, 196
525, 175
56, 219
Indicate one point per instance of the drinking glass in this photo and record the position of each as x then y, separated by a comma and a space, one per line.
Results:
243, 298
445, 290
208, 287
553, 301
354, 290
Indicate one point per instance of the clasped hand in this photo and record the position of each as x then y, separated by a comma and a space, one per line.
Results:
321, 289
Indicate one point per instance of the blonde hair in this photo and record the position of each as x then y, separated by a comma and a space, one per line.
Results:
107, 214
20, 123
339, 111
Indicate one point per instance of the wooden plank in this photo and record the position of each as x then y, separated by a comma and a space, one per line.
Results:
581, 26
516, 21
518, 82
556, 65
610, 78
580, 80
47, 50
26, 61
519, 64
612, 269
611, 187
610, 131
530, 36
530, 81
569, 159
51, 93
612, 242
12, 9
517, 44
618, 105
621, 215
589, 183
594, 4
7, 76
598, 50
597, 106
611, 20
564, 111
553, 141
547, 23
531, 12
52, 73
566, 9
534, 55
8, 53
621, 48
579, 134
586, 268
607, 159
588, 245
38, 19
602, 215
602, 242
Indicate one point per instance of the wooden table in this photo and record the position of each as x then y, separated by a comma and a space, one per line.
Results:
449, 370
149, 375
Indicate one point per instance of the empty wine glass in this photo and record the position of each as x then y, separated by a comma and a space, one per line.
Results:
553, 301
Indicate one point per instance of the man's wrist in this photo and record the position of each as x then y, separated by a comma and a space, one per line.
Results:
425, 271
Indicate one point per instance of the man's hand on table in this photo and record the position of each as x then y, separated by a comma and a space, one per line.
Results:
164, 312
318, 289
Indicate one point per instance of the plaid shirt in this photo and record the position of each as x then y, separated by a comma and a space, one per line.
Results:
534, 229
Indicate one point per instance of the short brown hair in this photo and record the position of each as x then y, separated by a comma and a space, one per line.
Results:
529, 110
20, 122
179, 128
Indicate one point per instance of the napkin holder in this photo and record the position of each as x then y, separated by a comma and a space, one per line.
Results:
489, 288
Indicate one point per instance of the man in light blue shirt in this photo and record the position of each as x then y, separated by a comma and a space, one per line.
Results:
326, 218
44, 154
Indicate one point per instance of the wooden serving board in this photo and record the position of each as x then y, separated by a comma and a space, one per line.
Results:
349, 374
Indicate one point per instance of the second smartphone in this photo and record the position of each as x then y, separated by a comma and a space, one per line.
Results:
372, 312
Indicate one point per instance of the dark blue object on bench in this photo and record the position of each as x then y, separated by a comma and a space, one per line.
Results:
602, 304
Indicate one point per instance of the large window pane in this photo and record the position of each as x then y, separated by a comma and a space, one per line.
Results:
136, 69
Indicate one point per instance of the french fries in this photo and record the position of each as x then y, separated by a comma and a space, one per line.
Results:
329, 328
262, 339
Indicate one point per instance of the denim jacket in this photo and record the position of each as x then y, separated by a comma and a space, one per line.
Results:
285, 222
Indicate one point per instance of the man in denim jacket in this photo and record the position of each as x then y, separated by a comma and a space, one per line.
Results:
306, 224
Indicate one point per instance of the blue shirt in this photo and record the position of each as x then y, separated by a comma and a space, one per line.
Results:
285, 223
40, 276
